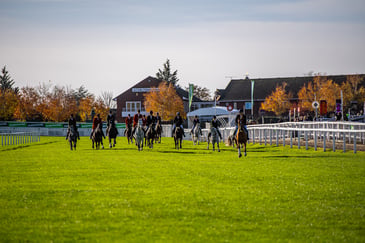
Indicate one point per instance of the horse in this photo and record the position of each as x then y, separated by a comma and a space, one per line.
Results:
72, 136
178, 135
196, 134
128, 133
241, 139
158, 133
150, 136
231, 139
214, 138
139, 136
97, 137
112, 133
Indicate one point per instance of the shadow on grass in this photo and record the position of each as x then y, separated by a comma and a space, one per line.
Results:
21, 146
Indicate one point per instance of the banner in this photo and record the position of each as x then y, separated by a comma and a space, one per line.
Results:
191, 91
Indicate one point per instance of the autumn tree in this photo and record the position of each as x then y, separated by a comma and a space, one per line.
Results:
278, 101
353, 90
321, 88
85, 107
8, 96
165, 101
200, 92
28, 106
166, 75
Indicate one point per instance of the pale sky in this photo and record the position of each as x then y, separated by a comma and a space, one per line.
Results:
110, 45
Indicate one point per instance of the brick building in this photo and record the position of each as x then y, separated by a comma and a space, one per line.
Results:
132, 99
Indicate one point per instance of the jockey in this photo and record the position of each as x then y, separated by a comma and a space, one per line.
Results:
195, 122
215, 123
241, 119
97, 120
72, 122
136, 117
158, 118
128, 121
151, 120
110, 121
178, 122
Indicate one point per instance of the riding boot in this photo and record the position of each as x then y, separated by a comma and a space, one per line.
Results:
78, 135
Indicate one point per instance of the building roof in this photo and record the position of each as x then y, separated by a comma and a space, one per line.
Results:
150, 82
240, 89
210, 111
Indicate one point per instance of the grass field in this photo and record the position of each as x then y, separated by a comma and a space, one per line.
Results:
49, 193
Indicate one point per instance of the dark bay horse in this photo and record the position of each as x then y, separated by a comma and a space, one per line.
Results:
72, 137
97, 137
112, 133
241, 139
178, 135
158, 134
214, 138
128, 133
150, 136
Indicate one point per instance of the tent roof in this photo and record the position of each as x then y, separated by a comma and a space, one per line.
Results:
210, 111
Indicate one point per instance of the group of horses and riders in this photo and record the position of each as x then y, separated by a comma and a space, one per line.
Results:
145, 130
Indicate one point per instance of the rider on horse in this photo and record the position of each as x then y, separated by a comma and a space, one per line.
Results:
128, 121
96, 121
215, 123
178, 122
241, 119
72, 122
136, 117
158, 118
195, 122
110, 121
151, 120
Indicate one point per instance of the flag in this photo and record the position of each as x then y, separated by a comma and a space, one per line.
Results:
191, 91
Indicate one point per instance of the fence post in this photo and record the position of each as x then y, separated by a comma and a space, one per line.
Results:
344, 141
334, 142
324, 141
315, 140
299, 133
253, 136
265, 136
277, 137
270, 137
283, 132
354, 142
260, 136
306, 140
291, 139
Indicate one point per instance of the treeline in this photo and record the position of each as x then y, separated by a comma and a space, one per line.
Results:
47, 102
321, 88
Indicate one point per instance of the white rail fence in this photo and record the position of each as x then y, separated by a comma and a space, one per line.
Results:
18, 138
314, 134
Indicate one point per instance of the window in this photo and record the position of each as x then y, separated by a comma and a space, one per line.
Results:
133, 106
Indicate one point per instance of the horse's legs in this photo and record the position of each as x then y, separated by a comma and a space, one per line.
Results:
208, 143
180, 142
110, 142
218, 147
70, 144
239, 152
93, 143
245, 149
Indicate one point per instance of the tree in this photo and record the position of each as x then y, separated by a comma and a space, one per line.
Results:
85, 107
107, 97
6, 82
28, 104
8, 104
321, 88
278, 101
166, 75
165, 101
200, 92
353, 90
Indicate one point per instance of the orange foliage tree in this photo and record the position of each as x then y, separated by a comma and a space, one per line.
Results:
165, 101
8, 104
85, 107
321, 88
353, 90
27, 108
278, 101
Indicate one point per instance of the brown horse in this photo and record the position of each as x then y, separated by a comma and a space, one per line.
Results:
128, 133
158, 133
97, 137
241, 139
149, 137
178, 135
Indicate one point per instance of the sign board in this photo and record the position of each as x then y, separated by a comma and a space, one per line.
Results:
315, 104
144, 90
248, 106
229, 107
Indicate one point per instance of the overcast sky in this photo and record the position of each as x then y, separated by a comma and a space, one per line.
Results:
110, 45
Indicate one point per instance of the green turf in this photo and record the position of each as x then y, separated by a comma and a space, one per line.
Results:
49, 193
